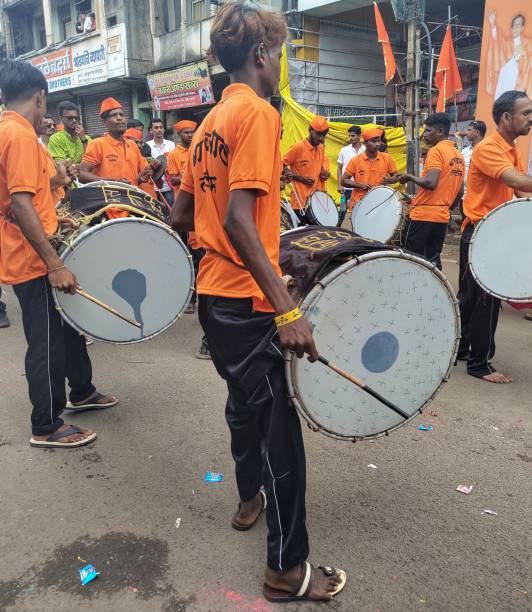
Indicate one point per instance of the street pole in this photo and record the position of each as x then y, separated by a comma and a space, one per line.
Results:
411, 87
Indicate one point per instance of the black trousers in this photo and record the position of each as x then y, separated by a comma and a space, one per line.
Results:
197, 255
266, 439
2, 304
55, 350
479, 314
426, 238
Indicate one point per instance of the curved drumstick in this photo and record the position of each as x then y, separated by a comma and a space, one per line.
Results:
105, 306
363, 386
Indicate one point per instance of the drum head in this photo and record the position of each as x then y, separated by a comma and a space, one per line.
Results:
378, 214
289, 218
323, 209
501, 250
400, 339
139, 267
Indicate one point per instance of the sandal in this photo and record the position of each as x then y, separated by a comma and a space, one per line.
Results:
53, 440
93, 402
303, 590
235, 524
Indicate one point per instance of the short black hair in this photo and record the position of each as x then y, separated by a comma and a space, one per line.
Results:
439, 120
135, 123
48, 116
19, 80
155, 120
480, 126
356, 129
518, 16
66, 105
505, 104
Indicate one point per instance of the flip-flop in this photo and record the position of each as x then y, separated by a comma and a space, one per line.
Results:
239, 526
91, 403
53, 440
303, 590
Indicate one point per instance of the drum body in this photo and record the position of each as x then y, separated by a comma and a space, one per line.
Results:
321, 209
289, 218
380, 215
390, 319
139, 267
501, 250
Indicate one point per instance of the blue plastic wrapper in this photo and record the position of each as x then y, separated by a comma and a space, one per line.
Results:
425, 427
214, 477
87, 574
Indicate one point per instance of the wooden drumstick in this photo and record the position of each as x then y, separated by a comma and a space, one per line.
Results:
363, 386
110, 309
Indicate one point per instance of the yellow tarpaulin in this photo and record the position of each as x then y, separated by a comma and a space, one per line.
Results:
296, 120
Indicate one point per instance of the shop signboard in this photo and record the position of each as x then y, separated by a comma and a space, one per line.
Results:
182, 87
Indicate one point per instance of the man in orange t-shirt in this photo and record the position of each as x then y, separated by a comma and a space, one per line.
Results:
496, 173
441, 184
32, 266
113, 157
177, 159
307, 166
369, 169
230, 195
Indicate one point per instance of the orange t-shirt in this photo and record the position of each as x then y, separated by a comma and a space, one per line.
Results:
115, 159
435, 205
369, 171
23, 169
485, 190
236, 147
308, 161
177, 162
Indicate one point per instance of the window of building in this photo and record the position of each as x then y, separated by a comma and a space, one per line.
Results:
197, 10
167, 16
112, 21
28, 33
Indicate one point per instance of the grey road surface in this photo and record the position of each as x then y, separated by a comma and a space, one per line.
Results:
134, 504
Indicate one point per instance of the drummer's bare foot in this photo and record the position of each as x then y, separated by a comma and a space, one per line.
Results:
498, 378
324, 586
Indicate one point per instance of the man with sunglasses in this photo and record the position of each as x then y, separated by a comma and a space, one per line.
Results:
71, 142
49, 129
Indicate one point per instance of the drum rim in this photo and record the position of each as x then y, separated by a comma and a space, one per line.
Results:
82, 236
518, 300
310, 212
291, 360
356, 211
115, 185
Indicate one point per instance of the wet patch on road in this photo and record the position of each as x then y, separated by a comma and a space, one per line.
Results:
124, 560
92, 457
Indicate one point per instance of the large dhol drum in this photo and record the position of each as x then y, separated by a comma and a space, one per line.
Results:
380, 215
388, 318
137, 266
321, 209
501, 250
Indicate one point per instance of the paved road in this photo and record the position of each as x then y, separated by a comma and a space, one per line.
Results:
407, 539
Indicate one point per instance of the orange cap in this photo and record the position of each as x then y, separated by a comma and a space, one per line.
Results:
109, 104
319, 124
185, 124
133, 133
372, 133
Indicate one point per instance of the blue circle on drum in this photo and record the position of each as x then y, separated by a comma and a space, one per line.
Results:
380, 352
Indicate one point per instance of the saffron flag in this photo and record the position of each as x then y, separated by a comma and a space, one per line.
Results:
382, 37
447, 78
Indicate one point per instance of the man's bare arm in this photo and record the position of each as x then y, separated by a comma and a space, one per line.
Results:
429, 181
520, 183
182, 214
240, 227
32, 229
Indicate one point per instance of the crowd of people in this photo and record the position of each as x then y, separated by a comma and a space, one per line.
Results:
222, 183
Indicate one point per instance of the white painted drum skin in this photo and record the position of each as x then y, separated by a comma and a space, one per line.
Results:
378, 215
401, 339
500, 252
322, 209
139, 267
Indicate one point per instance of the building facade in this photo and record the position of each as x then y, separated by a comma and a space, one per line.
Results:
87, 50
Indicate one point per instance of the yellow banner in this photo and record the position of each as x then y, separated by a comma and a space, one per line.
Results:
296, 120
